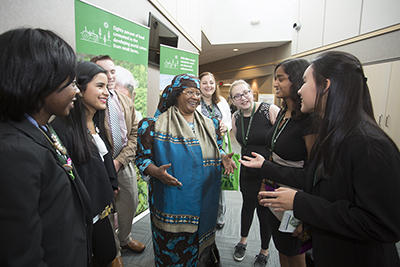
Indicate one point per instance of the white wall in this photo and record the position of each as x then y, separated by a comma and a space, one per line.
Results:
52, 15
185, 14
342, 20
329, 21
227, 21
378, 14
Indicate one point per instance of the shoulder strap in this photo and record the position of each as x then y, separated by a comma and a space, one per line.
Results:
229, 143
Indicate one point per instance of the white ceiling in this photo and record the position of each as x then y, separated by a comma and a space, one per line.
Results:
211, 53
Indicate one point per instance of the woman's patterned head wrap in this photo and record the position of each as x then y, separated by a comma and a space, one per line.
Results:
179, 82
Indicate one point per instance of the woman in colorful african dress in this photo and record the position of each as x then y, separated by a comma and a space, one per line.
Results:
181, 151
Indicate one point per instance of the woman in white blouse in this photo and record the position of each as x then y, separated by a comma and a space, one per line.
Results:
83, 133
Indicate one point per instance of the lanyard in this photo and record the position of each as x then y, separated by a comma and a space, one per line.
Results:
277, 134
246, 138
210, 110
61, 151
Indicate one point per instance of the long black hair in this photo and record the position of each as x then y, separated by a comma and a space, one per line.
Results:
295, 69
34, 63
345, 107
76, 120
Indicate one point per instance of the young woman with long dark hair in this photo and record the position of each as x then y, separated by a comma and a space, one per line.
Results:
83, 132
352, 189
289, 141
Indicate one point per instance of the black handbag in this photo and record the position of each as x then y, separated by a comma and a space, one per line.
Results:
210, 257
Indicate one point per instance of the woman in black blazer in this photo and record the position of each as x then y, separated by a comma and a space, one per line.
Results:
82, 133
353, 182
45, 213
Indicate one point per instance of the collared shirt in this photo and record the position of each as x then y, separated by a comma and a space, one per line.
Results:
34, 122
122, 124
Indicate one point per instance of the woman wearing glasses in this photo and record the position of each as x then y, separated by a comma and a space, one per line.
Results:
250, 123
181, 151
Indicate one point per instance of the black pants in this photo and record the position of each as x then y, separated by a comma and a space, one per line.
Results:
103, 243
248, 207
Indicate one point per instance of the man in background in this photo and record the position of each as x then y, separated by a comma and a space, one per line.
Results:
122, 125
126, 84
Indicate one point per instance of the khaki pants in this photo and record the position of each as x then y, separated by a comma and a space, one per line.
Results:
126, 203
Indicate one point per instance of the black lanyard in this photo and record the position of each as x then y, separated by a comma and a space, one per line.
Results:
246, 138
277, 134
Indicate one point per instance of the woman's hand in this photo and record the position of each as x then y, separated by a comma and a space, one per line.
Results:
161, 174
116, 191
262, 188
256, 162
298, 232
228, 163
281, 199
222, 127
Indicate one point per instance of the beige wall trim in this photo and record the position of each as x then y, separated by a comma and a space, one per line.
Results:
172, 20
322, 48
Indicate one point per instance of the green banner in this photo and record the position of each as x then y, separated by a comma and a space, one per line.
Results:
174, 61
99, 32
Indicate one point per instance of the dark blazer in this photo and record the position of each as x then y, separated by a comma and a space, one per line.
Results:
99, 177
355, 214
45, 215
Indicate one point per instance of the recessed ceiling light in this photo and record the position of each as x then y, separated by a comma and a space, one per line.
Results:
235, 49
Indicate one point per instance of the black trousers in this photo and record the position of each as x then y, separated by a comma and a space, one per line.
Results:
248, 207
103, 243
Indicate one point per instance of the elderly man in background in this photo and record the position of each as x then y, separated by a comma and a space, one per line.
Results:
126, 84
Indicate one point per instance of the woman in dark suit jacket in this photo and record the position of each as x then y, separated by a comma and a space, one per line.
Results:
352, 192
45, 214
82, 133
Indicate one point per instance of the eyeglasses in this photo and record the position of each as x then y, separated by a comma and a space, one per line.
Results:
239, 96
190, 93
